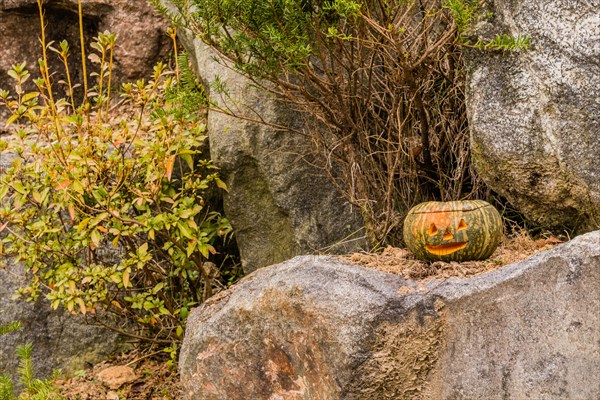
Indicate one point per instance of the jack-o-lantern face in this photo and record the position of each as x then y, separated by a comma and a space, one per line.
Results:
453, 231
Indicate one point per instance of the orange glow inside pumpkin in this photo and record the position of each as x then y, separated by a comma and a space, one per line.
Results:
446, 248
448, 235
433, 230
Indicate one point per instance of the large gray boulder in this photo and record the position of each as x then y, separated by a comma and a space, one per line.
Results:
279, 205
535, 115
318, 328
60, 340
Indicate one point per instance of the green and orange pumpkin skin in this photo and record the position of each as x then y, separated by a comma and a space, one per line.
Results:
453, 231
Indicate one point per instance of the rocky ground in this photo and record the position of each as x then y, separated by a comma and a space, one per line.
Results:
132, 376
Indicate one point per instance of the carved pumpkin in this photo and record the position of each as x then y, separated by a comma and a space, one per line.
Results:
453, 231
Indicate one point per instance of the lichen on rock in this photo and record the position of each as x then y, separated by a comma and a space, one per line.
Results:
534, 115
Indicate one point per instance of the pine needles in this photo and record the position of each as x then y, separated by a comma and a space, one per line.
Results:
34, 388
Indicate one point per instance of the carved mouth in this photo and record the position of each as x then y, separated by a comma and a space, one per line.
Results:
446, 248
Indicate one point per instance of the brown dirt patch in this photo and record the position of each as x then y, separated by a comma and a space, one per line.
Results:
401, 261
155, 380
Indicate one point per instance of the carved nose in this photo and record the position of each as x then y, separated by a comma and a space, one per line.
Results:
448, 235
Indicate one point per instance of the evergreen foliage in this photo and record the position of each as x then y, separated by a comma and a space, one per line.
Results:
6, 388
34, 389
10, 327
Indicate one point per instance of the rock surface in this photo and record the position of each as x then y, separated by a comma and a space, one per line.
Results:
535, 115
318, 328
116, 376
141, 42
60, 341
278, 204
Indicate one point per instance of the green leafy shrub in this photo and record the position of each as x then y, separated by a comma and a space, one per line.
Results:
105, 203
382, 82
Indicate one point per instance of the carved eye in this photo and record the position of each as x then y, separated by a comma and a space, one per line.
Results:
433, 230
448, 235
461, 225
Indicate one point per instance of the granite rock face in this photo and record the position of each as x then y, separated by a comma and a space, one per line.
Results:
140, 44
535, 115
60, 340
318, 328
279, 205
